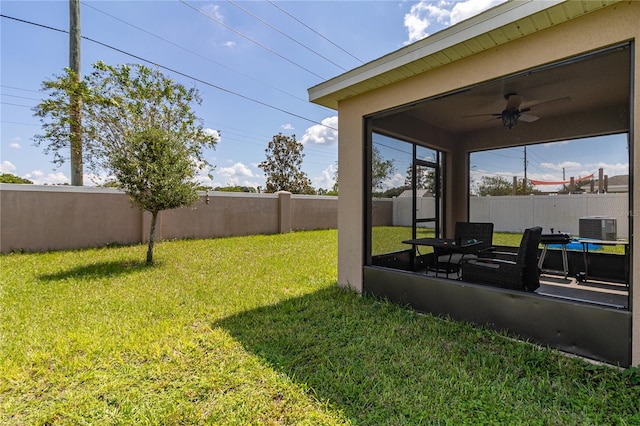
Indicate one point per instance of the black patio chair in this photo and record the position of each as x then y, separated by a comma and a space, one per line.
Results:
466, 234
519, 274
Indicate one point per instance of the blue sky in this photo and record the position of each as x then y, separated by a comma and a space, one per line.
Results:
556, 161
254, 62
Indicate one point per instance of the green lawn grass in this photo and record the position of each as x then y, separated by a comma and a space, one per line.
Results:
254, 330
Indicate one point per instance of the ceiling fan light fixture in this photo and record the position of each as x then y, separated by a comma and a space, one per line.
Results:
510, 118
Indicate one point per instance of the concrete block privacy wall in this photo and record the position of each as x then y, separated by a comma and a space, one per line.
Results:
40, 218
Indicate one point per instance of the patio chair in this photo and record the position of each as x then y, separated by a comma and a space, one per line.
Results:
519, 274
449, 259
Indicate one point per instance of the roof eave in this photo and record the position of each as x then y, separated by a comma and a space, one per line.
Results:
421, 55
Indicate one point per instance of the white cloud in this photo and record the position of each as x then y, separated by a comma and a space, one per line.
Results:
422, 15
609, 169
322, 134
567, 165
238, 169
572, 168
15, 145
213, 10
7, 167
238, 175
325, 180
287, 127
212, 132
203, 176
38, 177
426, 13
466, 9
393, 182
98, 178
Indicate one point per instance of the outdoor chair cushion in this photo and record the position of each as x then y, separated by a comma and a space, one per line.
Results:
518, 274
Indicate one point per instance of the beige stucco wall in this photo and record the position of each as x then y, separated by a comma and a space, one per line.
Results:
224, 216
606, 27
350, 224
324, 212
40, 218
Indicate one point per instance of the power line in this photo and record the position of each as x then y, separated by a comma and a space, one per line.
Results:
18, 88
19, 97
286, 35
250, 39
502, 155
262, 140
316, 32
176, 72
18, 105
21, 124
195, 53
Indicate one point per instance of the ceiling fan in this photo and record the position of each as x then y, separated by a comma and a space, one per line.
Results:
512, 112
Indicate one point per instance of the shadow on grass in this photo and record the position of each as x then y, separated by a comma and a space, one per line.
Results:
375, 362
379, 364
98, 270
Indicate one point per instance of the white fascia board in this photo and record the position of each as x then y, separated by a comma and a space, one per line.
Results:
475, 26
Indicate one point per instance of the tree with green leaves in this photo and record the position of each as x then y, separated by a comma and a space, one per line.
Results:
498, 185
235, 188
139, 126
425, 178
283, 166
494, 186
381, 169
10, 178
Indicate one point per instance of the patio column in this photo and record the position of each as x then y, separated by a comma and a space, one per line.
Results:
350, 200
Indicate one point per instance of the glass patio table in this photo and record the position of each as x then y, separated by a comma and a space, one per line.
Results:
447, 245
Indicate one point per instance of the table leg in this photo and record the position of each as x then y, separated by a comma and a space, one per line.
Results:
542, 256
565, 261
585, 258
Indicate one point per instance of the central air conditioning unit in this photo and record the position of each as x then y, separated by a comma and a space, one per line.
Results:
598, 228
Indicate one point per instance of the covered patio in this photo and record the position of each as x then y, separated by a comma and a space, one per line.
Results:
518, 75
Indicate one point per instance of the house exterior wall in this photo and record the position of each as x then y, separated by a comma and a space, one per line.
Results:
350, 206
609, 26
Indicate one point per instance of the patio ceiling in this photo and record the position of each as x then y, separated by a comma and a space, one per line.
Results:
583, 86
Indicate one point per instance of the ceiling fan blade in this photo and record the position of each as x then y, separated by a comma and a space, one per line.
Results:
481, 115
528, 118
547, 103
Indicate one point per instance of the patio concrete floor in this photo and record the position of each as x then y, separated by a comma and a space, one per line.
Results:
595, 291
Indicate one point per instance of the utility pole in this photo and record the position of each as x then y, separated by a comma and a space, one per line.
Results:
524, 181
75, 103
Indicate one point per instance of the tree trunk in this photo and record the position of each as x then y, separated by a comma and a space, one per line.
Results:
152, 237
